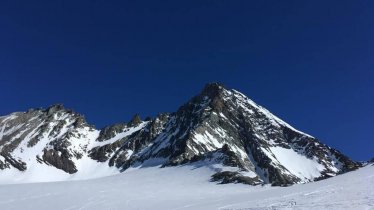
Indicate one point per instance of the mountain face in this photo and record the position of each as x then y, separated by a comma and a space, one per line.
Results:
221, 129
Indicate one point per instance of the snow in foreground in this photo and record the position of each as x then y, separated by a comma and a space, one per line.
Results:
184, 188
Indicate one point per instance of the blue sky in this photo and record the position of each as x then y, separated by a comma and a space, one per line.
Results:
309, 62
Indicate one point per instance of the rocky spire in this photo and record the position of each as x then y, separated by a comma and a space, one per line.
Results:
212, 90
218, 128
54, 108
135, 121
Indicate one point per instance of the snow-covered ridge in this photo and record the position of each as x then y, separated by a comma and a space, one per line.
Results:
243, 142
266, 112
118, 136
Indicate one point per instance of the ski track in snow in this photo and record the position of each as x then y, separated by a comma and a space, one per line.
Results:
186, 188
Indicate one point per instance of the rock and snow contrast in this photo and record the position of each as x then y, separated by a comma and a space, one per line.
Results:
219, 129
219, 136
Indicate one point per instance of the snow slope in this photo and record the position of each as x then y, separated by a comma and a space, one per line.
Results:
248, 143
186, 187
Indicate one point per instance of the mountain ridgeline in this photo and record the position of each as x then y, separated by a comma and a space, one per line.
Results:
221, 129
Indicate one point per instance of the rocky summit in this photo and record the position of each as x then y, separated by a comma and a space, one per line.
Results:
220, 129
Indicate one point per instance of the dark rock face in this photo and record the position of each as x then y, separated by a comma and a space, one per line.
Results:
4, 165
226, 177
111, 131
221, 129
138, 142
135, 121
60, 160
9, 160
218, 118
103, 153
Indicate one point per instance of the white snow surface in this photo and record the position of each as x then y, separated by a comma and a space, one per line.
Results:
301, 166
187, 188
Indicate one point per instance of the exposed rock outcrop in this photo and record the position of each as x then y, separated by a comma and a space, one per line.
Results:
219, 128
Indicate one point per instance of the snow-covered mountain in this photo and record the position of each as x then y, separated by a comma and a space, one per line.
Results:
219, 129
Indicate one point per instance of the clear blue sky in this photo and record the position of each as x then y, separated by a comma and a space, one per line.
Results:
309, 62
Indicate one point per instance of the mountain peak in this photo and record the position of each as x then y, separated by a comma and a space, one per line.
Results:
135, 120
212, 89
55, 108
219, 128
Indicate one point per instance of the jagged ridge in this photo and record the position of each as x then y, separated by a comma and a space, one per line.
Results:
220, 128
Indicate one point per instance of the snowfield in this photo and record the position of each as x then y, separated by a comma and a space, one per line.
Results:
186, 187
